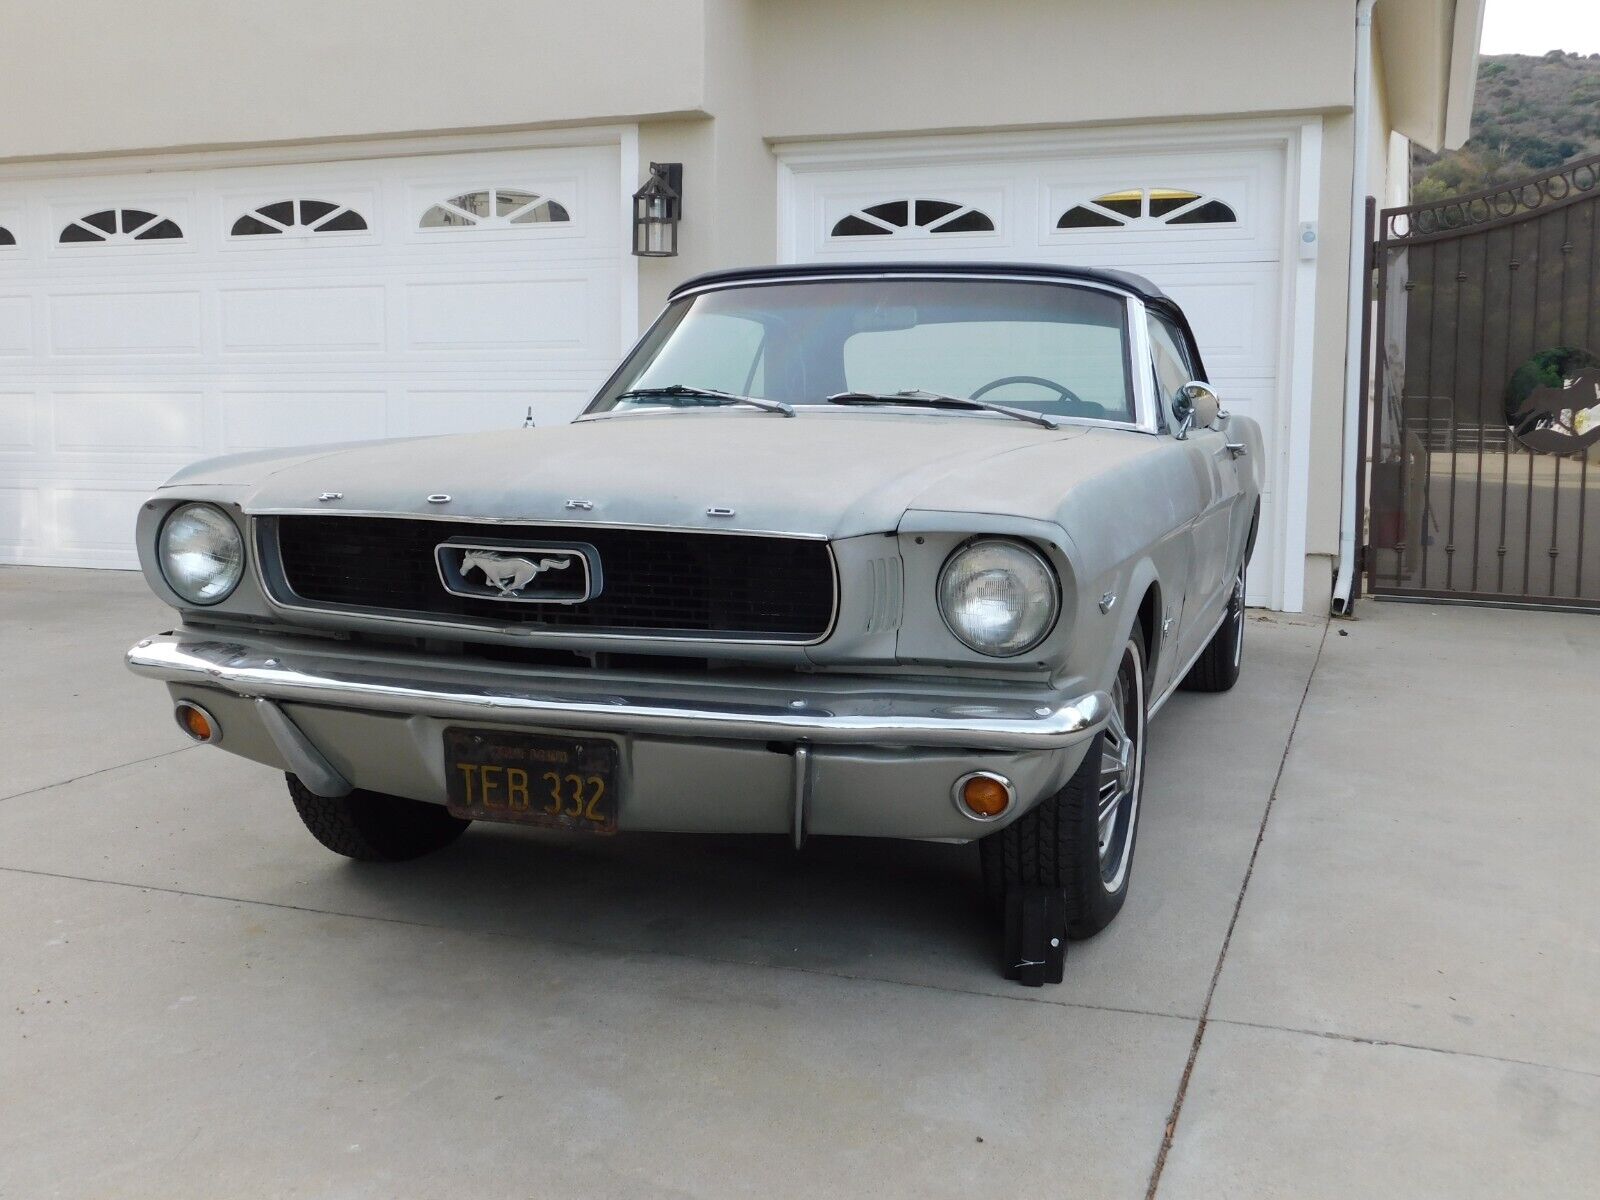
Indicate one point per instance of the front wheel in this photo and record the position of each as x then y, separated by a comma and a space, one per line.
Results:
1080, 840
1217, 668
374, 826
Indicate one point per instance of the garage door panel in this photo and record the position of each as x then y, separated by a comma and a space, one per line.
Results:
19, 517
16, 325
92, 518
266, 418
16, 421
1233, 310
301, 319
517, 314
125, 323
122, 423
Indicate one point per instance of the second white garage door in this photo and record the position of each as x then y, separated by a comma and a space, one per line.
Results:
149, 320
1206, 225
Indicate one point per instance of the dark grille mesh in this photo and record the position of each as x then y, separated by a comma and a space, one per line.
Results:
723, 585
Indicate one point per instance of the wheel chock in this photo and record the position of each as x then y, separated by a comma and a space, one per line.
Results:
1035, 936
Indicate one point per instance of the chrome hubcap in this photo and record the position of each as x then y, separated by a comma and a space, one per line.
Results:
1120, 767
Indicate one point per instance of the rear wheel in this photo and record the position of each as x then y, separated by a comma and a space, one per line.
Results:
374, 826
1080, 841
1217, 668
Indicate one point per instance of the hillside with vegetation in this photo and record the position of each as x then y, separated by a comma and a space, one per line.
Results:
1531, 115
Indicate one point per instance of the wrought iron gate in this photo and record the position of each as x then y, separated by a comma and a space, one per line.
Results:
1485, 408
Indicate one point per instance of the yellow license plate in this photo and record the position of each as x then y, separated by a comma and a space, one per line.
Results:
532, 779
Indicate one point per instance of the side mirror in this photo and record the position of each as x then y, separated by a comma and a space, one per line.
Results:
1195, 406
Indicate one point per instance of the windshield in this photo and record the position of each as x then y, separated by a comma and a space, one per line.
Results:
1049, 348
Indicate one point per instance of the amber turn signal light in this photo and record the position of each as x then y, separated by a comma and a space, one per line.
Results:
196, 722
983, 795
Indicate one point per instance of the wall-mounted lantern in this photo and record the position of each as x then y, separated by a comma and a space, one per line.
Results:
656, 209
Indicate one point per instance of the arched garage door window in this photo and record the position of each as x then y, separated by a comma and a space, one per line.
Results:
299, 217
1147, 208
494, 206
120, 225
913, 218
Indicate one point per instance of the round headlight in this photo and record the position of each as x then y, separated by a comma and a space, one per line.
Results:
999, 597
201, 553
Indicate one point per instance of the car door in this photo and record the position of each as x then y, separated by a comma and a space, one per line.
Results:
1210, 579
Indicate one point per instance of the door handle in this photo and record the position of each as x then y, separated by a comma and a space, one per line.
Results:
1237, 449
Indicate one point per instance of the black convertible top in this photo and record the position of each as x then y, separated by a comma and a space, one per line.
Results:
1126, 280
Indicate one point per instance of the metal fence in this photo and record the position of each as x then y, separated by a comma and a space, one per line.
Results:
1484, 406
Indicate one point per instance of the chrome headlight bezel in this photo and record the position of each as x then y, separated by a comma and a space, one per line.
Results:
1038, 587
197, 519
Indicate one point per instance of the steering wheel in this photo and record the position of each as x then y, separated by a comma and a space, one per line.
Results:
1066, 393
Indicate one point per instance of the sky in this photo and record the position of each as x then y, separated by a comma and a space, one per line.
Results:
1537, 26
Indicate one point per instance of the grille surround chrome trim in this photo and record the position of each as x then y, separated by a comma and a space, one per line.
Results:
270, 578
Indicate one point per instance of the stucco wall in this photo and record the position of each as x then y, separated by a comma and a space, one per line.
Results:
835, 67
104, 76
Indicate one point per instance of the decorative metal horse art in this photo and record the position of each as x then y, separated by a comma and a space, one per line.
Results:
509, 573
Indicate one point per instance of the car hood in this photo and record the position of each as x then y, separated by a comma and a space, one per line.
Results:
833, 474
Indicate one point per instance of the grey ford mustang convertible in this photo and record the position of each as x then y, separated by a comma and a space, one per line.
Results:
883, 551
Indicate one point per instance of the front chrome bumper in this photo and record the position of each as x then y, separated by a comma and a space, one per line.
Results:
795, 754
816, 713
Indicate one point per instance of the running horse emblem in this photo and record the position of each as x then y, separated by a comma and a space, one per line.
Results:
509, 573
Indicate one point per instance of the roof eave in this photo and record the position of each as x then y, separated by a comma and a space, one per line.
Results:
1430, 59
1462, 85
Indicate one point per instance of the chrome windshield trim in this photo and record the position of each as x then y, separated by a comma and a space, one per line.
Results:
808, 710
1145, 401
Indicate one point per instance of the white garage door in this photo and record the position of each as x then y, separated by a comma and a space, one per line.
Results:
1207, 226
149, 320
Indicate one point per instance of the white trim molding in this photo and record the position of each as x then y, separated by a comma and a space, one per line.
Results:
1306, 160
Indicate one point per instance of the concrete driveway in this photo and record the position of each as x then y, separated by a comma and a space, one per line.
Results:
1361, 958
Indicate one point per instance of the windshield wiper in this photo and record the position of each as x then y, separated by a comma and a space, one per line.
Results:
918, 398
712, 394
